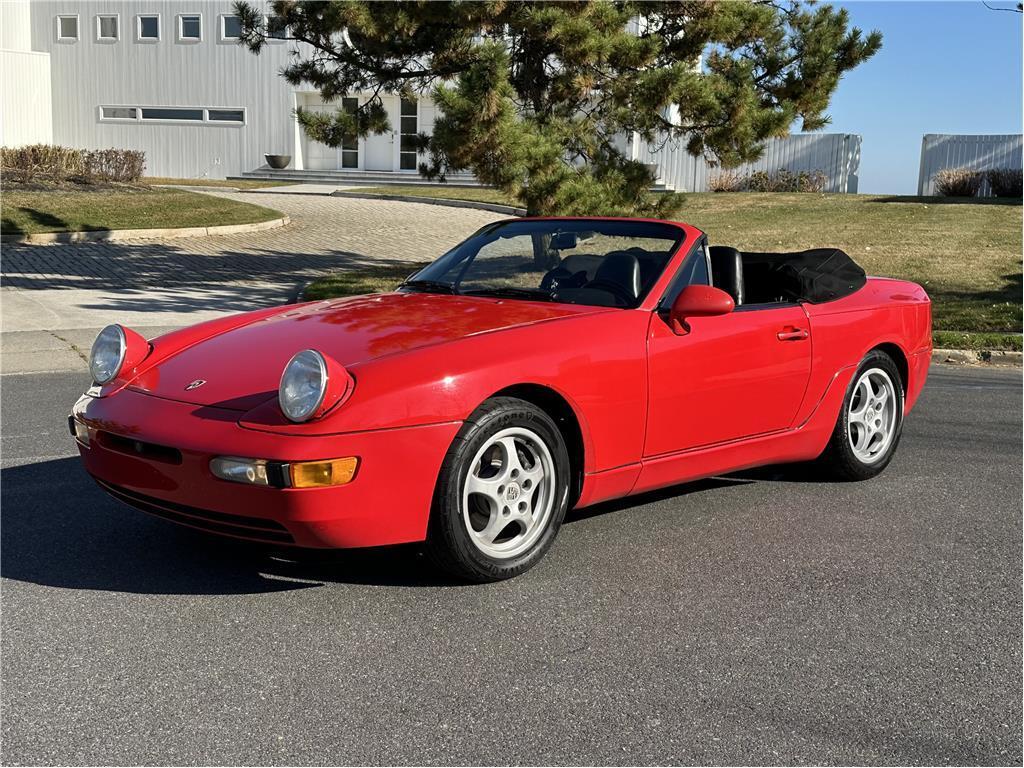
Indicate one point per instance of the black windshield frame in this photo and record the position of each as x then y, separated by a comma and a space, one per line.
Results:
439, 273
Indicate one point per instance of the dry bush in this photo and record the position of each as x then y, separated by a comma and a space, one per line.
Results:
760, 181
958, 182
1006, 182
811, 181
35, 161
48, 163
113, 165
727, 181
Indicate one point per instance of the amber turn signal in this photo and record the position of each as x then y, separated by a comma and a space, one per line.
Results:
317, 474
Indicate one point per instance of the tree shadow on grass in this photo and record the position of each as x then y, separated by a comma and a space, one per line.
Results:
46, 222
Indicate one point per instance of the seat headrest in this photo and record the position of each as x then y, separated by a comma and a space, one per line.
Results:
727, 271
622, 268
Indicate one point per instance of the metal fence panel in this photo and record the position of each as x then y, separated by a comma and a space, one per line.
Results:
980, 153
837, 155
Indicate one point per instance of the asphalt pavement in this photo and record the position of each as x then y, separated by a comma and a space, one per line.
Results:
759, 618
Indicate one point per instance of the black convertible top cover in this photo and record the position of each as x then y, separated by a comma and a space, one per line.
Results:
815, 276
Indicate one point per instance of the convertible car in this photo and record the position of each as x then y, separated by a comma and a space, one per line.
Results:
540, 365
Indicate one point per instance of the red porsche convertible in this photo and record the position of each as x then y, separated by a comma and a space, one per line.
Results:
542, 364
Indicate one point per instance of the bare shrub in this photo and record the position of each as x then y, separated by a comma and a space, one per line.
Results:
760, 181
1006, 182
782, 180
40, 161
113, 165
958, 182
727, 181
48, 163
811, 181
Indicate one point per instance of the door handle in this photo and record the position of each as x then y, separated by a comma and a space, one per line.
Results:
790, 333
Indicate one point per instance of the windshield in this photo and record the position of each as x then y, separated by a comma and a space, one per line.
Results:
609, 263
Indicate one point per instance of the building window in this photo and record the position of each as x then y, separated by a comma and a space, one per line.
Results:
67, 27
217, 115
190, 27
226, 115
108, 27
148, 27
119, 113
276, 28
230, 27
171, 113
350, 143
407, 140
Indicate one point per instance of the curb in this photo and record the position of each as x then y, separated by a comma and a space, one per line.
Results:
993, 357
106, 235
196, 187
493, 207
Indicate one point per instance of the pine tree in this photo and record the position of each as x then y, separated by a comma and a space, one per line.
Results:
537, 97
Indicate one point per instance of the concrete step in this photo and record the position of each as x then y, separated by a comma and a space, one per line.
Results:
372, 178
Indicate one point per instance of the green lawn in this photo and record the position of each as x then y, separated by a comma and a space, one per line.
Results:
33, 212
967, 254
236, 183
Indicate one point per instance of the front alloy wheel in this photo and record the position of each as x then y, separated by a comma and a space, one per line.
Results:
502, 493
508, 496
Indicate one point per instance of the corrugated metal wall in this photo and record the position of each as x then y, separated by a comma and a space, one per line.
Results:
89, 73
25, 98
835, 154
25, 116
980, 153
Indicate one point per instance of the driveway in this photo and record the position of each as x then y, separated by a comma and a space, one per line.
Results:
55, 297
760, 618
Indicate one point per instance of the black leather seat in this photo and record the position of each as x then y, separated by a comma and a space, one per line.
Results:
619, 273
727, 271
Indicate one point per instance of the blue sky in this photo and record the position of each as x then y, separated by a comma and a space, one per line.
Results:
944, 67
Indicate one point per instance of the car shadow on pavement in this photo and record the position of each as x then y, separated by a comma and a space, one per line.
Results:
60, 530
650, 497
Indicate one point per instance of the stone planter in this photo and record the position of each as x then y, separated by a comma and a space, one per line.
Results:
278, 162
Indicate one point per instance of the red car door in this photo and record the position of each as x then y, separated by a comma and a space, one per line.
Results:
732, 376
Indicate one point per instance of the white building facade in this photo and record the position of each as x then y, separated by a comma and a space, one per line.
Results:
168, 78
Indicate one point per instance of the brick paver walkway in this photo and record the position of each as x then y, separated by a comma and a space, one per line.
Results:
55, 297
326, 233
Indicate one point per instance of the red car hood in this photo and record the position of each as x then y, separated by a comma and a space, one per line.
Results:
242, 367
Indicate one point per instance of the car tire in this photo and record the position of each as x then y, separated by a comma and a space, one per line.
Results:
870, 422
502, 493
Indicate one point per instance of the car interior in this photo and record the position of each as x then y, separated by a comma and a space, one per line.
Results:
749, 278
626, 274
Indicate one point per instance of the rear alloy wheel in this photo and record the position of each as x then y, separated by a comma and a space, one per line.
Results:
502, 493
870, 423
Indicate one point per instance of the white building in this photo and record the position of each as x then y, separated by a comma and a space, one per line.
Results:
168, 77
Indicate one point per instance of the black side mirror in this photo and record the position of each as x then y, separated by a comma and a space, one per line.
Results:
563, 241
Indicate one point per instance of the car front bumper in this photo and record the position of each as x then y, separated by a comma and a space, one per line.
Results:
154, 454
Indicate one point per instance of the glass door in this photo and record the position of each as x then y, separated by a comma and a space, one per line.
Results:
407, 157
349, 150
